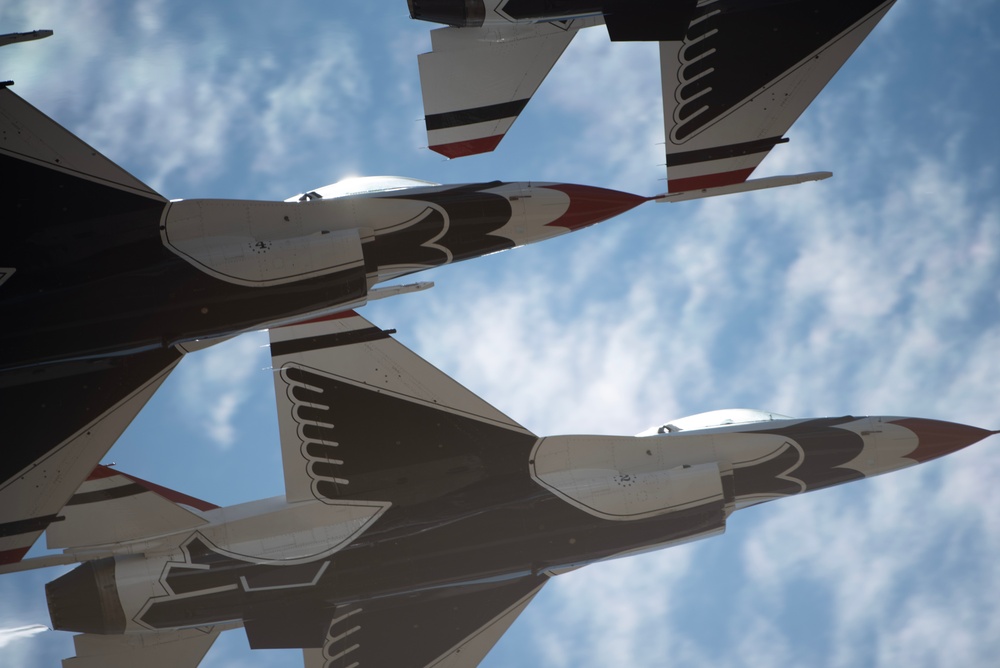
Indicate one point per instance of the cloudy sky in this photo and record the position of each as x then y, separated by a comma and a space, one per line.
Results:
875, 292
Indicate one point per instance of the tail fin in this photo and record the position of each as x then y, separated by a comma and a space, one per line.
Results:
743, 73
114, 507
362, 417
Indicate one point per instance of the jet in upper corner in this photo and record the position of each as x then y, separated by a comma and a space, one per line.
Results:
418, 521
735, 73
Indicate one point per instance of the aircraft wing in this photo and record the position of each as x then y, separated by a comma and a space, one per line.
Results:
743, 73
446, 628
62, 418
476, 81
342, 384
113, 507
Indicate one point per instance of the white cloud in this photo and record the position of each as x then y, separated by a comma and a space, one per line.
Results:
178, 106
614, 91
618, 606
215, 383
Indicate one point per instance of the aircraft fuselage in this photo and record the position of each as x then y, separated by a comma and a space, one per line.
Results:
504, 506
104, 272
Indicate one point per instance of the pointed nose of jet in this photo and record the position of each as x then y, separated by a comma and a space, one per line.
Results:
937, 438
589, 205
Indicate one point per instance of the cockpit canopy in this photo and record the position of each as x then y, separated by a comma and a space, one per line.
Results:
721, 418
359, 185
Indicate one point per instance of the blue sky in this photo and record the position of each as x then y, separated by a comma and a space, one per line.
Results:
875, 292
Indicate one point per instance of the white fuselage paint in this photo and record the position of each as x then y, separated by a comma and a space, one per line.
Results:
624, 478
261, 244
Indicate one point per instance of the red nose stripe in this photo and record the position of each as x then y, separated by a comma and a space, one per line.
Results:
938, 438
589, 205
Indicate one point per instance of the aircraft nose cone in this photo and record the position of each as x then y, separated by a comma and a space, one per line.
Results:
938, 438
589, 205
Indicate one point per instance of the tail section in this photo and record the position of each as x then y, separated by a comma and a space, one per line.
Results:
743, 73
363, 417
62, 419
113, 507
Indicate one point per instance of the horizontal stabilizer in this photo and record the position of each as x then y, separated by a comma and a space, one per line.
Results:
647, 20
476, 81
172, 649
467, 622
746, 186
113, 507
743, 73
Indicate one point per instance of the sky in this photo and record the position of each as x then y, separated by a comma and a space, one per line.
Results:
875, 292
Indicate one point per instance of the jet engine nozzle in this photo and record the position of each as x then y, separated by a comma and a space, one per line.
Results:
85, 600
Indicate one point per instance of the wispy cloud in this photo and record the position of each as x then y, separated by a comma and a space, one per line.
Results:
215, 383
182, 98
11, 635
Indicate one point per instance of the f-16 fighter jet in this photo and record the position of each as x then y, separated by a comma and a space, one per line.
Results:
104, 284
416, 512
735, 73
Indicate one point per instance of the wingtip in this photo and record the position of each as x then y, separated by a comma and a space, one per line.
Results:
462, 149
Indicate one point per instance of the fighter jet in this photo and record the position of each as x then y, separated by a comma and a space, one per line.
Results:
105, 284
418, 521
736, 74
